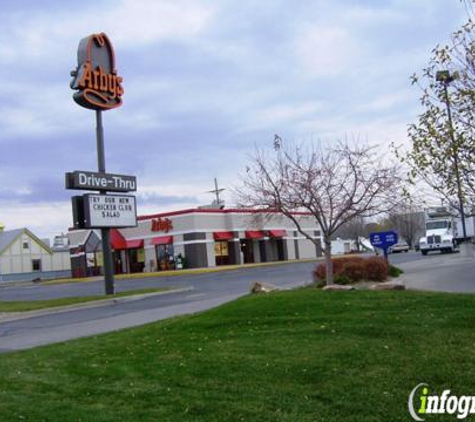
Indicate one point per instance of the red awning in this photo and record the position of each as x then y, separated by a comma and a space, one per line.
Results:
117, 240
254, 234
162, 240
223, 235
277, 233
134, 244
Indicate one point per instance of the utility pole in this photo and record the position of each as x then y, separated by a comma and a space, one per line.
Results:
217, 191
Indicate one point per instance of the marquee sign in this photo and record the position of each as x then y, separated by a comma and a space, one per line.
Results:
98, 85
88, 180
104, 211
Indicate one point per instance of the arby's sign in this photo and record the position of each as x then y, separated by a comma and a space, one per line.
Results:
162, 225
97, 84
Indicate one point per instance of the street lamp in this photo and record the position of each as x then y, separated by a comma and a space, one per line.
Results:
446, 78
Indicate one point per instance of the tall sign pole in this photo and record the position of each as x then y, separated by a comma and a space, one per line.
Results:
105, 233
98, 87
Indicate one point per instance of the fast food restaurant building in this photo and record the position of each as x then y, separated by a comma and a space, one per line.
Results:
196, 238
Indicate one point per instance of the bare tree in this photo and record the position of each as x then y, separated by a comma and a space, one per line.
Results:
334, 185
408, 221
353, 229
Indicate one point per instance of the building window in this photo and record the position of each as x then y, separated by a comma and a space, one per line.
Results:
26, 245
36, 264
221, 252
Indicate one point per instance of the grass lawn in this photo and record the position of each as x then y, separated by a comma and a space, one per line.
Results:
303, 355
33, 305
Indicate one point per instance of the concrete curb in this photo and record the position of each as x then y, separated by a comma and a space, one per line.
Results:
15, 316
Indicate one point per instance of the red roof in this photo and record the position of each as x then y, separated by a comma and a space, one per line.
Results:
117, 240
211, 211
134, 244
162, 240
254, 234
277, 233
223, 235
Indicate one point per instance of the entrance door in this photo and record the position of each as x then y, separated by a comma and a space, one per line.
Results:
165, 257
263, 251
247, 250
136, 260
280, 249
117, 259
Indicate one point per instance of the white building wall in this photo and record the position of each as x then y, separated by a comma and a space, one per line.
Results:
210, 250
61, 260
16, 259
290, 247
306, 247
5, 265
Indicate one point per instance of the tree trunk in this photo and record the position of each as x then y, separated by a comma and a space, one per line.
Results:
328, 260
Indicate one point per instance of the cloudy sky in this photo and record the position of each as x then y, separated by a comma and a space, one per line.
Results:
205, 81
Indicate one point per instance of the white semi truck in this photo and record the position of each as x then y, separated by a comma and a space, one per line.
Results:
443, 231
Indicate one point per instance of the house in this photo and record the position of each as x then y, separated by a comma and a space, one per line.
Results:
23, 257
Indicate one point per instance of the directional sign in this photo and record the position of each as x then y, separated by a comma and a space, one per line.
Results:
383, 240
88, 180
109, 211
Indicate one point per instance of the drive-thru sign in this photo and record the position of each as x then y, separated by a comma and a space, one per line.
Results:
88, 180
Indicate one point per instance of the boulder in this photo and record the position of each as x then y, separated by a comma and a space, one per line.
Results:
259, 287
388, 286
338, 287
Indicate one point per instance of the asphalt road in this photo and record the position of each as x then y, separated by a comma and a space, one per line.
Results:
221, 283
208, 290
437, 272
432, 272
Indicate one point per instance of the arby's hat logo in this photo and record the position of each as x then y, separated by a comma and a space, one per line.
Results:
98, 85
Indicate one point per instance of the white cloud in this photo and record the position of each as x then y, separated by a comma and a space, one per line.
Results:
387, 101
129, 23
43, 219
283, 115
326, 50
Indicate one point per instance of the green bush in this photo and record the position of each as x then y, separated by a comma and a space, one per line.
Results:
395, 271
319, 284
342, 279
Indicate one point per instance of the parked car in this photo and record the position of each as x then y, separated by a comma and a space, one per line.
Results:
399, 247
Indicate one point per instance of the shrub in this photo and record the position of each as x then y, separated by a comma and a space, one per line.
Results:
319, 284
342, 279
377, 268
319, 272
352, 269
355, 270
395, 271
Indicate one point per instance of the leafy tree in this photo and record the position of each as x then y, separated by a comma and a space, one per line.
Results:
443, 137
